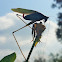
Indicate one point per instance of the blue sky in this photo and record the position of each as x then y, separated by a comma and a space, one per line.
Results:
41, 6
9, 22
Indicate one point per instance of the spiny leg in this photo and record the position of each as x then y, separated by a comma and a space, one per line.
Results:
18, 45
16, 39
17, 42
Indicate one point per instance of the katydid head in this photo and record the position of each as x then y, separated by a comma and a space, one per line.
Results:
46, 18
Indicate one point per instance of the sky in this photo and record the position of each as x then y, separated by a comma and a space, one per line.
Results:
9, 22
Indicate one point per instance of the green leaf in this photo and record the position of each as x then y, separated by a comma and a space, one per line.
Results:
9, 58
23, 11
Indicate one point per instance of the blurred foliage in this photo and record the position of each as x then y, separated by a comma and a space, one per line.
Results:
55, 58
59, 30
58, 4
52, 58
9, 58
40, 60
60, 16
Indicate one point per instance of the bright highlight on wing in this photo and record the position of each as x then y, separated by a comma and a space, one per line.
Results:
23, 11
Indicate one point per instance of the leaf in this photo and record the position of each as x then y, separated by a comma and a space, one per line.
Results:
23, 11
9, 58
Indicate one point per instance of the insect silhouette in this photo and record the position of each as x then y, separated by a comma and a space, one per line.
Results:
32, 15
37, 29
